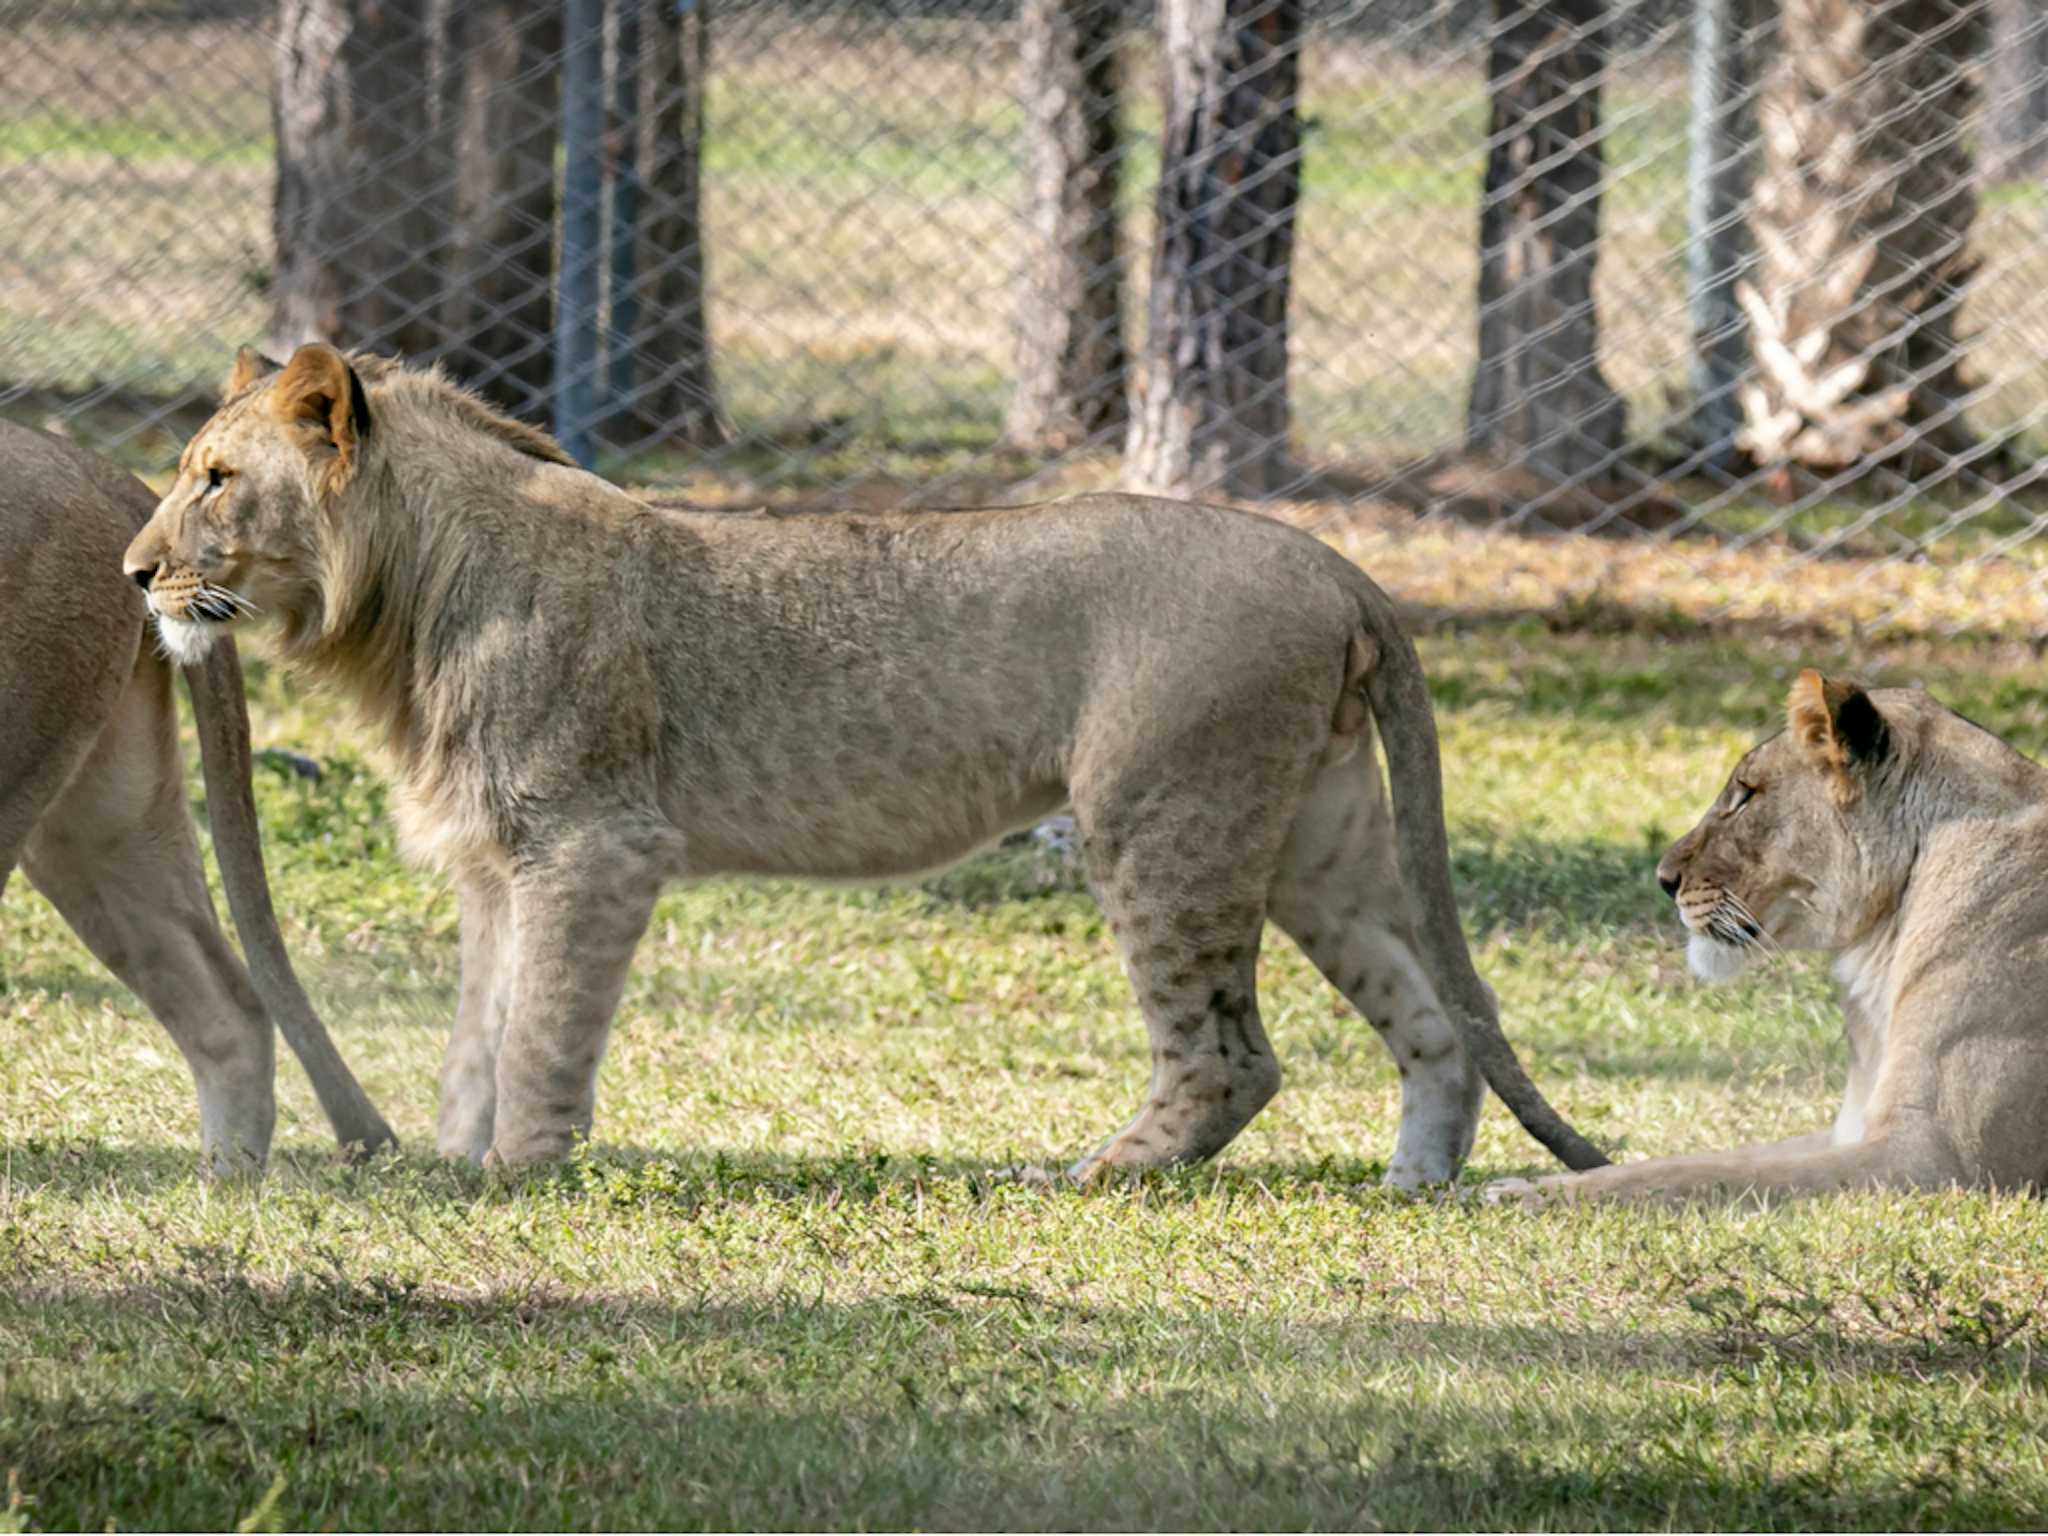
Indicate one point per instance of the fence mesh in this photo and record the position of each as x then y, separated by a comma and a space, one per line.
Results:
1758, 276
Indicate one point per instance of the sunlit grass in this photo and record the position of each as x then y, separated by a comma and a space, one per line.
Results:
783, 1287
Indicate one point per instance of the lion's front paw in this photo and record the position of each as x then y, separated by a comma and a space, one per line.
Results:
1525, 1191
1030, 1175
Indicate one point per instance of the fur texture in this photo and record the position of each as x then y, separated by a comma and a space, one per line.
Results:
584, 697
1913, 846
92, 798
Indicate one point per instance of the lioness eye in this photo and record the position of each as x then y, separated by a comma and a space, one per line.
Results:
214, 478
1744, 793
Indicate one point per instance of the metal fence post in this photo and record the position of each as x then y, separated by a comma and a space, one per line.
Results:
576, 291
624, 225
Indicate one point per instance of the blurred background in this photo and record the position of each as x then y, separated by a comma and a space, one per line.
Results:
1754, 291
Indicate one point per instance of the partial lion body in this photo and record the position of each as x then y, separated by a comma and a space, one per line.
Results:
587, 697
1912, 845
92, 798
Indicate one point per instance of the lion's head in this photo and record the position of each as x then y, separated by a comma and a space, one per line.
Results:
1799, 849
235, 535
283, 494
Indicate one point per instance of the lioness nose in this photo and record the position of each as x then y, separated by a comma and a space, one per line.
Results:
1670, 884
144, 575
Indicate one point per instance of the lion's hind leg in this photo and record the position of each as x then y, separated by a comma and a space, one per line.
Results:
1181, 874
1338, 894
116, 855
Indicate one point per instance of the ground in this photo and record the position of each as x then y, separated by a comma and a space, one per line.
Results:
783, 1287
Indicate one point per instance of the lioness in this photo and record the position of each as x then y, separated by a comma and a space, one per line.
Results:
585, 697
1912, 845
92, 800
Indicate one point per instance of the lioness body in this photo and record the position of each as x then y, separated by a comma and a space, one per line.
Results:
92, 798
1913, 846
586, 697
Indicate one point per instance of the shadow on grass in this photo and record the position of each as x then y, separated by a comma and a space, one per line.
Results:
1605, 662
377, 1403
1580, 889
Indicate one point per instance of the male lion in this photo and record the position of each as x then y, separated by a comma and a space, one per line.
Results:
92, 800
585, 697
1913, 846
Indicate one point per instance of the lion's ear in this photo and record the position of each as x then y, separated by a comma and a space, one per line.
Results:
319, 389
250, 367
1835, 722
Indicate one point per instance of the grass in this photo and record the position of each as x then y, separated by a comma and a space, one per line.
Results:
782, 1288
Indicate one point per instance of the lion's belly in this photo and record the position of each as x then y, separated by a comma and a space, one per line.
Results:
865, 825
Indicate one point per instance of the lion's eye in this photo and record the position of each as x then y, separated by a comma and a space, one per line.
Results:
1744, 793
216, 477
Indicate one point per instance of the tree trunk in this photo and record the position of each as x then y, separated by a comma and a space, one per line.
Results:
1539, 401
364, 177
1719, 173
505, 204
1862, 221
1211, 410
2016, 91
676, 400
1070, 384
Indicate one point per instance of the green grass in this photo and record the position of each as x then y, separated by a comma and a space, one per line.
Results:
783, 1287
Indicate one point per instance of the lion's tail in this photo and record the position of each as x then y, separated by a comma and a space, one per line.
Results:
1392, 682
223, 721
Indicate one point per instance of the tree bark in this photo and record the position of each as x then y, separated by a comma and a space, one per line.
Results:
1211, 409
676, 400
1070, 368
1862, 220
2016, 91
365, 167
502, 312
1539, 400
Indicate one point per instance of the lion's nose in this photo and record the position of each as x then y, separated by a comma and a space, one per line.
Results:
144, 575
1670, 884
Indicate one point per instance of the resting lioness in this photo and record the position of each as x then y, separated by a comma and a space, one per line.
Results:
92, 800
585, 697
1912, 845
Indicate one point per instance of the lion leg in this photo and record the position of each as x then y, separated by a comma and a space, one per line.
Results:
578, 912
1897, 1161
1338, 895
469, 1067
1212, 1067
1184, 889
116, 855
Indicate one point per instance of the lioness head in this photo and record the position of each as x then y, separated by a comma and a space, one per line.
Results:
232, 536
1795, 851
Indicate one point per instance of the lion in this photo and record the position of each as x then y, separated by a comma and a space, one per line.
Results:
584, 697
92, 802
1912, 845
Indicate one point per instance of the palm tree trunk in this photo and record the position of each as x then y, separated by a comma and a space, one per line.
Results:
1862, 222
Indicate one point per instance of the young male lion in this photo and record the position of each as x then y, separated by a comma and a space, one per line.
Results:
585, 697
1913, 846
92, 800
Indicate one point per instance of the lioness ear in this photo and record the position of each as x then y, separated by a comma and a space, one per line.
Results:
250, 367
1834, 720
319, 389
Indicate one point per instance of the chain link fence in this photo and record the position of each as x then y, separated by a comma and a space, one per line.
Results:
1710, 276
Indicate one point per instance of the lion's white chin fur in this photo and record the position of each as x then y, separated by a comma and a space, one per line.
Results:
185, 641
1711, 960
